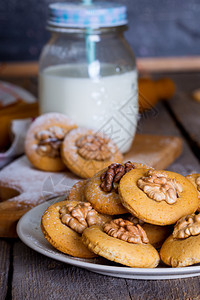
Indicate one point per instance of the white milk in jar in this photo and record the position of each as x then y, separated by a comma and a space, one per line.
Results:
106, 103
87, 69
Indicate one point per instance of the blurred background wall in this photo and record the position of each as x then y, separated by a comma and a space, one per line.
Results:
156, 28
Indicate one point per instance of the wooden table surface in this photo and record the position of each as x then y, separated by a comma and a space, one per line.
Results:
26, 274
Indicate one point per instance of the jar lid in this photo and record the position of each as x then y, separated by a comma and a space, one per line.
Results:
93, 15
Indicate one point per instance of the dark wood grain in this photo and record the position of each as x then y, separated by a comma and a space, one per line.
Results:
4, 267
38, 277
187, 288
185, 108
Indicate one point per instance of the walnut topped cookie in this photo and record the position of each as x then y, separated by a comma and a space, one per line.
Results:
102, 189
123, 242
63, 223
182, 248
157, 197
85, 152
44, 139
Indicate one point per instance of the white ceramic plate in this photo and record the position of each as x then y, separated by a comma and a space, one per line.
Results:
30, 233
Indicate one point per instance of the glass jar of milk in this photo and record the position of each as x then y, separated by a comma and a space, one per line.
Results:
87, 70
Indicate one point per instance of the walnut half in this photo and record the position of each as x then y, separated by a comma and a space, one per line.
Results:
94, 147
49, 141
111, 177
187, 226
159, 187
79, 216
126, 231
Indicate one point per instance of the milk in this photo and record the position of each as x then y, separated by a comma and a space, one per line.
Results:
107, 103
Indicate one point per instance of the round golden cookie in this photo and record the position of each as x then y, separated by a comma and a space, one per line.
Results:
77, 191
103, 202
61, 236
195, 180
150, 210
83, 157
43, 139
114, 249
181, 252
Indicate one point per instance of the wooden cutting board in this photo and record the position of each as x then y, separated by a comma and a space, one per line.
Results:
23, 187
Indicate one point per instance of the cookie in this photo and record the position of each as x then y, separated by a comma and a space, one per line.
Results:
182, 248
85, 152
195, 180
102, 189
62, 225
120, 247
43, 141
77, 191
103, 202
157, 197
155, 233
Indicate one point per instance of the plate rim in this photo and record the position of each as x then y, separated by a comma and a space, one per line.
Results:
165, 271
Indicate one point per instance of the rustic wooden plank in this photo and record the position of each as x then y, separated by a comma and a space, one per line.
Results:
38, 277
158, 121
144, 64
185, 109
187, 288
4, 267
18, 69
168, 64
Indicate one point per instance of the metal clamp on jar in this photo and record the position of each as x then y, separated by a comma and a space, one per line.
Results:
87, 70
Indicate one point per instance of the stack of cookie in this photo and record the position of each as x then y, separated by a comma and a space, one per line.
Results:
125, 213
